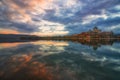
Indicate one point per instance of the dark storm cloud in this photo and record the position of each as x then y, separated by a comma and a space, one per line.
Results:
109, 22
76, 16
100, 23
92, 7
21, 27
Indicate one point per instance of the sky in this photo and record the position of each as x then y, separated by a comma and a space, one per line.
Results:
58, 17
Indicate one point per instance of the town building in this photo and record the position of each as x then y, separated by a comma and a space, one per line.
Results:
97, 33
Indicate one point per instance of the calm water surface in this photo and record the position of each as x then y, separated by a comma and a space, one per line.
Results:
59, 60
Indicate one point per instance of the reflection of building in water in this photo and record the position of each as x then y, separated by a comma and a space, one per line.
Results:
95, 43
95, 38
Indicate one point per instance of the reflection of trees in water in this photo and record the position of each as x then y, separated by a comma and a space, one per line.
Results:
80, 38
95, 43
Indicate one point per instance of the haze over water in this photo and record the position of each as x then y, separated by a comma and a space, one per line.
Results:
59, 60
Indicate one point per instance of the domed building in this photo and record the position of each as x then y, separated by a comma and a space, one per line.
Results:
97, 33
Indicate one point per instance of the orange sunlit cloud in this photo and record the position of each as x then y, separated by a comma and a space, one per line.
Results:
33, 3
9, 31
24, 11
29, 5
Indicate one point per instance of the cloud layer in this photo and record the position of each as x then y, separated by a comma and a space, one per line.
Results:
59, 17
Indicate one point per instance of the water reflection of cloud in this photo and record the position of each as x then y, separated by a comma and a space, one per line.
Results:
18, 66
46, 68
21, 56
104, 56
53, 60
55, 43
9, 45
34, 47
51, 47
116, 50
103, 61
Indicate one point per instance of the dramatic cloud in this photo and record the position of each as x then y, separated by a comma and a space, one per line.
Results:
59, 17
